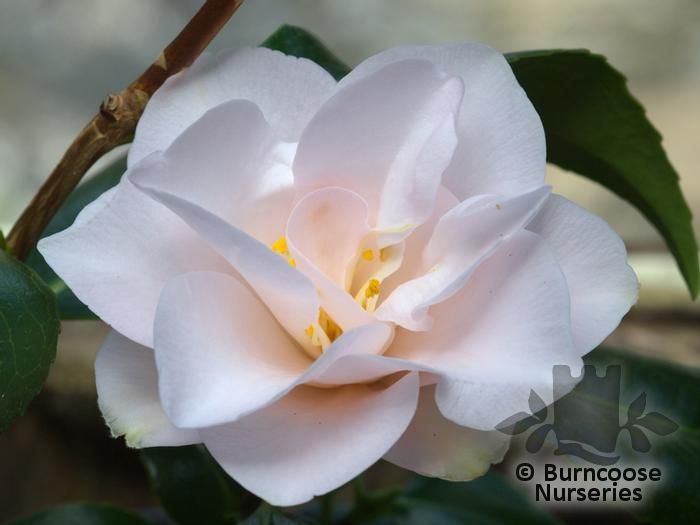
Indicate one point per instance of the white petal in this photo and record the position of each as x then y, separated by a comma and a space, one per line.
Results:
603, 287
127, 393
412, 262
313, 440
462, 238
387, 137
269, 275
501, 146
499, 337
219, 351
120, 252
327, 227
436, 447
288, 90
230, 163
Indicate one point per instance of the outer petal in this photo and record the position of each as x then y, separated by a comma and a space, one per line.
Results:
434, 446
230, 163
387, 137
288, 90
499, 337
287, 292
593, 258
127, 393
501, 146
219, 351
120, 252
313, 440
463, 237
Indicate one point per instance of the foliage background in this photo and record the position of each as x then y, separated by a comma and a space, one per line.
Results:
57, 60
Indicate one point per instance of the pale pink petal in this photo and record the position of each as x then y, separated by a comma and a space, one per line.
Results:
387, 137
501, 147
314, 439
436, 447
412, 262
220, 352
603, 287
462, 239
288, 294
288, 91
120, 252
230, 163
499, 336
127, 393
327, 227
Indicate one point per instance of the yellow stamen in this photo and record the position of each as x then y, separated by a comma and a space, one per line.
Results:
280, 246
383, 254
333, 331
372, 288
292, 262
309, 330
368, 255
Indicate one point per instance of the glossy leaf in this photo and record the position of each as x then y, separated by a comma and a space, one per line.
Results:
300, 43
267, 515
674, 392
29, 328
69, 306
82, 514
596, 128
192, 487
487, 500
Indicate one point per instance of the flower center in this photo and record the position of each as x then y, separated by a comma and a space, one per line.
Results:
370, 267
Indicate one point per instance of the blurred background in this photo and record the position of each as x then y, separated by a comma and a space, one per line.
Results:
59, 59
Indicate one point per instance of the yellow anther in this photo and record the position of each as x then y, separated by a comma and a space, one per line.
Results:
309, 330
280, 246
292, 262
328, 325
383, 254
368, 255
372, 288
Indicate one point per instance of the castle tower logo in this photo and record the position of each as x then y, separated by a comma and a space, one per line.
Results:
588, 420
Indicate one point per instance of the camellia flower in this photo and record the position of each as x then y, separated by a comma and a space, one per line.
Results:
308, 275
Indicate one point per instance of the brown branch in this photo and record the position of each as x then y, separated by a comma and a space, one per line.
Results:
115, 123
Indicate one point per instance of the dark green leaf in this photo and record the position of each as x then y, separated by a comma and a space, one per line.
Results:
266, 515
300, 43
29, 329
82, 514
69, 306
674, 392
486, 500
595, 127
192, 487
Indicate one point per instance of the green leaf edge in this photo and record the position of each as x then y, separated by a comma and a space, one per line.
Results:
682, 244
